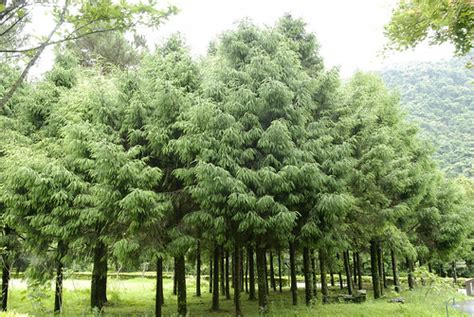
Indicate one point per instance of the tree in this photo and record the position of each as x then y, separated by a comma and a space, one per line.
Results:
442, 21
85, 18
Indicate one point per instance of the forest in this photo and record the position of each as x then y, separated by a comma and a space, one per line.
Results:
439, 96
252, 173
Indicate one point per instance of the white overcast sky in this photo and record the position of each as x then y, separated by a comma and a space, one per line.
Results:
350, 32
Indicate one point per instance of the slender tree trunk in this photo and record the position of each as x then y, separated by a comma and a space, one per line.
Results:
222, 270
210, 274
313, 270
272, 273
307, 275
279, 272
322, 268
241, 272
198, 269
380, 266
374, 269
396, 281
354, 264
294, 287
175, 279
384, 274
227, 282
455, 273
262, 292
331, 273
238, 284
246, 275
159, 286
359, 270
99, 276
430, 269
347, 268
6, 267
251, 273
266, 273
411, 282
58, 293
215, 281
341, 281
181, 281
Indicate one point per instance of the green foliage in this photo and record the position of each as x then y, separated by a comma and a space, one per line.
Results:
439, 21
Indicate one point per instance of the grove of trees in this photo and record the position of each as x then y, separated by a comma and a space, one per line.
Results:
254, 154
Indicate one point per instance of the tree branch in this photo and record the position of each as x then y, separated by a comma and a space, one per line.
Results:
38, 53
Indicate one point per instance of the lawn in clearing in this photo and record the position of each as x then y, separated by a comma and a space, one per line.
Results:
135, 297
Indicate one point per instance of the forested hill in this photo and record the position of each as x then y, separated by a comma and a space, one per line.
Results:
440, 97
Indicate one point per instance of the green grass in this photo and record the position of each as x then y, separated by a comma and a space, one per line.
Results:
135, 297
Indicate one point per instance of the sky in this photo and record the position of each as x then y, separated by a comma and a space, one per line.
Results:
350, 32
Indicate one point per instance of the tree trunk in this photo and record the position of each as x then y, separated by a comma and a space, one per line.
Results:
181, 281
251, 273
354, 264
198, 269
411, 281
246, 275
313, 270
5, 273
175, 279
272, 273
58, 293
237, 285
159, 286
279, 271
430, 269
266, 273
222, 270
380, 266
294, 288
341, 281
396, 281
262, 292
455, 273
99, 276
331, 273
374, 269
227, 282
322, 268
359, 270
347, 268
307, 275
210, 274
241, 271
215, 281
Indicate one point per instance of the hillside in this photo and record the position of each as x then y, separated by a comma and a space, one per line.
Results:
440, 97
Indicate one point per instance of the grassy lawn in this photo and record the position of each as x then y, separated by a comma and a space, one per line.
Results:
135, 297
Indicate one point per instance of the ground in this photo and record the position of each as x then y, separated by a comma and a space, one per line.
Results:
135, 297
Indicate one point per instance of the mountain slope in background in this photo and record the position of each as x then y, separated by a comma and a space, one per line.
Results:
440, 98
